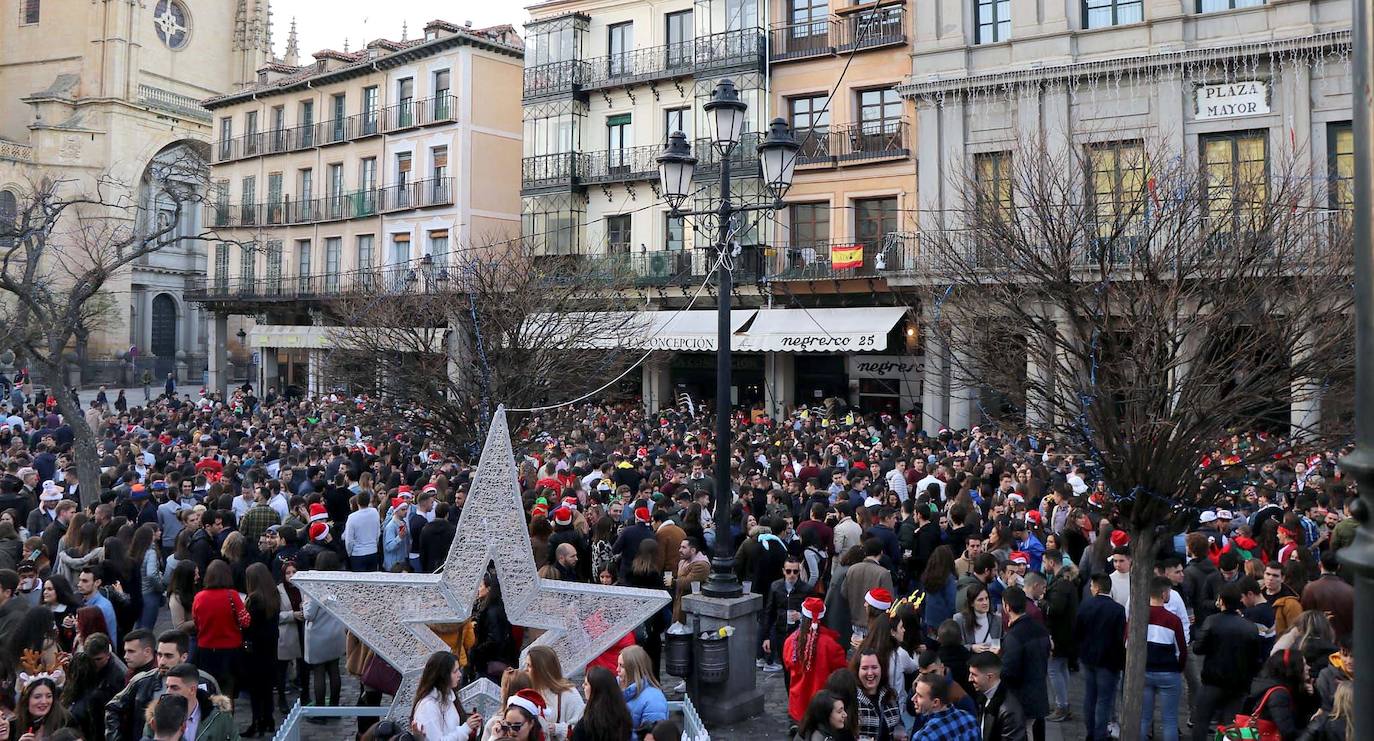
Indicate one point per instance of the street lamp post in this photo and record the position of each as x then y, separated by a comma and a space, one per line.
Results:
725, 114
1360, 554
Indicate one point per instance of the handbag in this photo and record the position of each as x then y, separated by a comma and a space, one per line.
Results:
380, 676
243, 619
1251, 727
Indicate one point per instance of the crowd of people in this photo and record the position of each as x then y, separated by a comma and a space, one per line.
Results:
915, 585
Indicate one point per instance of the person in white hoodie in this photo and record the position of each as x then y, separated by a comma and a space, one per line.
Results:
436, 716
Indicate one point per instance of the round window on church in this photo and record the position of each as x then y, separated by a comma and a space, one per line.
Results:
173, 23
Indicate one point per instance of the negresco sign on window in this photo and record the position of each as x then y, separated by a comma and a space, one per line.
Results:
1232, 99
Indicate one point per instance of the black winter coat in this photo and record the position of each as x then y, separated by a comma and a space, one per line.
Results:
1026, 665
1061, 611
1231, 651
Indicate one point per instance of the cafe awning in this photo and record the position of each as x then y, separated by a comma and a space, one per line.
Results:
820, 330
688, 331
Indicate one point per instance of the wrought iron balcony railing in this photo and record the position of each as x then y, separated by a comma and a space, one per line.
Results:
744, 158
563, 169
620, 165
641, 65
418, 194
556, 78
716, 52
867, 29
802, 40
423, 112
867, 140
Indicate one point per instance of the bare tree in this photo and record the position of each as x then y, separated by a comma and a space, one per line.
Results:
496, 324
58, 255
1140, 308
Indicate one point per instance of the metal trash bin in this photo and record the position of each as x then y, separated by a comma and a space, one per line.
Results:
714, 662
677, 654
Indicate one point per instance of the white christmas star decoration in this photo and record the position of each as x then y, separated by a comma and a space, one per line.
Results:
392, 613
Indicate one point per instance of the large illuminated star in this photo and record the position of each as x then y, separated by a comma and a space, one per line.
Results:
392, 613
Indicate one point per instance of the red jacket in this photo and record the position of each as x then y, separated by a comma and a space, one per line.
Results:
805, 683
610, 658
217, 614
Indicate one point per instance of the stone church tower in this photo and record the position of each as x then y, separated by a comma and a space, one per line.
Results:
92, 88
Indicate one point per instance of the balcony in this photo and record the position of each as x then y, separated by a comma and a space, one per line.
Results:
548, 171
621, 165
641, 65
419, 194
871, 28
555, 78
802, 40
239, 147
653, 268
897, 253
855, 143
744, 48
416, 113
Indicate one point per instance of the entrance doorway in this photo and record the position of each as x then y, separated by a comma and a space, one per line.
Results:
163, 339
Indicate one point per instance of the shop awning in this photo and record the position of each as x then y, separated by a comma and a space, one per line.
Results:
820, 330
323, 338
688, 331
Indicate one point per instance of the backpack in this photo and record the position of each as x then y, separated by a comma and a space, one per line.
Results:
820, 583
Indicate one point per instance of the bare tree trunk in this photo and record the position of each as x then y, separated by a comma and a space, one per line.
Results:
84, 451
1137, 621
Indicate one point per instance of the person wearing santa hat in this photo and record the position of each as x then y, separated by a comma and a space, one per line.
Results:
565, 533
810, 654
627, 544
524, 717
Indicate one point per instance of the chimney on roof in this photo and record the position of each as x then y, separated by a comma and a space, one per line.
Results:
405, 31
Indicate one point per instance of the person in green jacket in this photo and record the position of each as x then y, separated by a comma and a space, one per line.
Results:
210, 718
1344, 532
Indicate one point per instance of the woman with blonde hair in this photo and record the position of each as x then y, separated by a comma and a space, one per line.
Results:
1337, 725
565, 704
642, 693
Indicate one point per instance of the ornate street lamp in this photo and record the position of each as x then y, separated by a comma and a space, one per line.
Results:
777, 159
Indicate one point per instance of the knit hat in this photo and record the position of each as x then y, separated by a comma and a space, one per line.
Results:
136, 492
562, 516
813, 608
642, 514
318, 513
878, 598
530, 701
1120, 539
318, 530
539, 510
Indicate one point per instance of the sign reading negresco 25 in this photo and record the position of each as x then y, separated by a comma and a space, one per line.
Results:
1232, 99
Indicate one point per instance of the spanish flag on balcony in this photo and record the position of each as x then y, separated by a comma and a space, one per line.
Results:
843, 256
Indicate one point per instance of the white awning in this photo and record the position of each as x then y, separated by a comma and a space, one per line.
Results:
326, 338
820, 330
689, 331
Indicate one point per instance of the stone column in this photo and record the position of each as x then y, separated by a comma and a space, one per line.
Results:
780, 382
1305, 405
268, 369
961, 394
1039, 382
934, 409
217, 337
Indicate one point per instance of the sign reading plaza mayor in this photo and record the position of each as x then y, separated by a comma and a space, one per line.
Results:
1232, 99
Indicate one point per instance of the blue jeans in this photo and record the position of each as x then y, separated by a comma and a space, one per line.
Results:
1168, 687
1059, 682
152, 602
1099, 698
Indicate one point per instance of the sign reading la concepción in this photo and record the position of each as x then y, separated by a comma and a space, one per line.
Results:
1232, 99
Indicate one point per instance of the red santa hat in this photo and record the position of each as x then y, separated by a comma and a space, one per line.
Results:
318, 530
570, 502
540, 510
879, 599
1120, 539
530, 701
318, 513
813, 608
403, 491
1033, 516
430, 489
1020, 557
562, 516
641, 514
397, 503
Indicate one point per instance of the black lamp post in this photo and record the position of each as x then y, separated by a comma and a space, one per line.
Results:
1359, 556
243, 343
725, 114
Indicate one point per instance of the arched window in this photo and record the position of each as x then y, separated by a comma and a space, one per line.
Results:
9, 215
